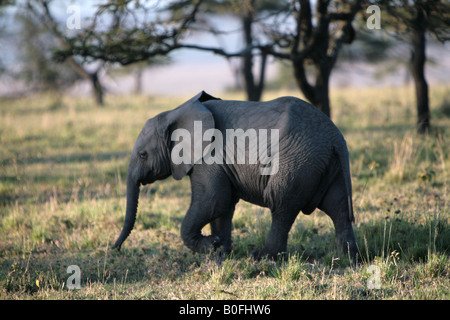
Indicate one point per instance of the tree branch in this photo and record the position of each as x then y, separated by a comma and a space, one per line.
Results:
218, 51
127, 46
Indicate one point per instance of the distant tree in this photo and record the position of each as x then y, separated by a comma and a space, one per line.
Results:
315, 39
143, 32
254, 88
412, 20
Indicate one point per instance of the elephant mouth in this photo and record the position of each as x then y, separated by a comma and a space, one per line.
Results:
152, 178
146, 179
145, 182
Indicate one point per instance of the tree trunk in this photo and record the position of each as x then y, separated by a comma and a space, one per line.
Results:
418, 58
313, 44
254, 90
97, 88
322, 87
318, 95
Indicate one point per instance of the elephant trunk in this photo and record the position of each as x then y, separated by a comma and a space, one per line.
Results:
130, 217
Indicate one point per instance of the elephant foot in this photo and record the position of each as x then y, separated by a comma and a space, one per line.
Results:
212, 245
219, 255
204, 244
215, 242
349, 248
209, 243
264, 254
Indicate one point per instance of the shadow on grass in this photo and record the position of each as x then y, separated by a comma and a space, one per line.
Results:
70, 158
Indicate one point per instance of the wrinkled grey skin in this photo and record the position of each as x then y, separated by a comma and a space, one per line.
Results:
313, 172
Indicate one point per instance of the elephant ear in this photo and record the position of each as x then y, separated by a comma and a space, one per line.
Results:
182, 129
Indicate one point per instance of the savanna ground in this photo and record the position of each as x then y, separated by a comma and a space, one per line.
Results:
62, 202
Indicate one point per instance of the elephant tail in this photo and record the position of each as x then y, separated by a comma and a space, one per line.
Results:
344, 160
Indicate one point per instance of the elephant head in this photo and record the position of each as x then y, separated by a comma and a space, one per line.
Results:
151, 155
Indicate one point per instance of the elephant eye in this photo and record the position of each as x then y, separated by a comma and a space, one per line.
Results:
143, 155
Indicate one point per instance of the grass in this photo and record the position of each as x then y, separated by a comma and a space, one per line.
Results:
63, 164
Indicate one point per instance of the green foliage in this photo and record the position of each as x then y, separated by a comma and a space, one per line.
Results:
62, 201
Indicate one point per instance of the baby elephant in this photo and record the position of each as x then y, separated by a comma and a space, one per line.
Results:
283, 154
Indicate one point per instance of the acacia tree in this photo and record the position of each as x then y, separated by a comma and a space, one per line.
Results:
254, 88
316, 40
139, 32
139, 35
133, 34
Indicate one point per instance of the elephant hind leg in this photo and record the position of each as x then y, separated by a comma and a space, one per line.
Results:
276, 242
335, 205
321, 190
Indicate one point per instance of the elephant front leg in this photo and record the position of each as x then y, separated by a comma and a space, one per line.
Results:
206, 209
213, 202
221, 228
191, 234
